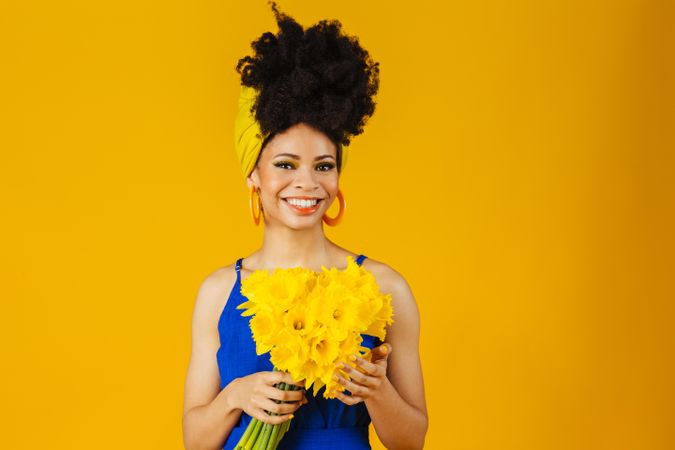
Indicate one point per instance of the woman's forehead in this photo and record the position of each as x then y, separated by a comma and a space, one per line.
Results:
302, 141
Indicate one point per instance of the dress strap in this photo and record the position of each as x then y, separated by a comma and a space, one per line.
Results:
237, 267
360, 259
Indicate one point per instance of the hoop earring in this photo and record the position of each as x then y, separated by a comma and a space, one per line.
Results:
332, 221
256, 215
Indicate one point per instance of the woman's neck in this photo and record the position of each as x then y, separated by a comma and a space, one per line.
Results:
285, 248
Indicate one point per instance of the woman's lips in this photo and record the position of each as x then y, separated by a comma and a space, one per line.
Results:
304, 211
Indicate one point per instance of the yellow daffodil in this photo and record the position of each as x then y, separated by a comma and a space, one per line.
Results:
312, 321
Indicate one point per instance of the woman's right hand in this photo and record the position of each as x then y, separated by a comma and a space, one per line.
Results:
255, 394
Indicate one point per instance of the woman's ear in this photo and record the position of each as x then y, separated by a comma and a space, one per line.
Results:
253, 179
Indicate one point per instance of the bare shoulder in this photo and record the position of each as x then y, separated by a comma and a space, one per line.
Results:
406, 312
404, 332
214, 290
202, 379
404, 367
389, 279
219, 281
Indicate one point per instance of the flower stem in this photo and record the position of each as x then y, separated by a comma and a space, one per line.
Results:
284, 428
264, 437
274, 437
270, 435
246, 435
281, 429
254, 435
256, 444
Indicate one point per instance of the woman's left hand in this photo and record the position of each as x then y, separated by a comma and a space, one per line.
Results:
366, 378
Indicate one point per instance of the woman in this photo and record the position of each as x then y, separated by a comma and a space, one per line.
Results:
304, 94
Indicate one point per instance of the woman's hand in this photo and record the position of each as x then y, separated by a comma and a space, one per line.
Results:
366, 378
255, 394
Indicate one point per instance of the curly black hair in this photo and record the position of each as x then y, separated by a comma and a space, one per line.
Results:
319, 76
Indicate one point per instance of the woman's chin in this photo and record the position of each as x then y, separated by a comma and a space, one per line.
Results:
299, 218
301, 222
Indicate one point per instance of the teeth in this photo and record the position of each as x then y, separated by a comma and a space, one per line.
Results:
301, 203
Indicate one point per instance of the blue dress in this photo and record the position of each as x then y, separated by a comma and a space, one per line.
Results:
321, 424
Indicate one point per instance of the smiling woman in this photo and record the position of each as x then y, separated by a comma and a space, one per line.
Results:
304, 95
300, 155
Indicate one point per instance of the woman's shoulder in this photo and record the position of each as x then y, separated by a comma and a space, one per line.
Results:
220, 279
215, 288
388, 279
403, 302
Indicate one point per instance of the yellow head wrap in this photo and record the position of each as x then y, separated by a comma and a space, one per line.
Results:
248, 138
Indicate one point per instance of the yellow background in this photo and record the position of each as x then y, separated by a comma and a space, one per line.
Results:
518, 172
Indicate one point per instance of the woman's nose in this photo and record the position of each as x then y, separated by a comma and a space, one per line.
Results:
305, 178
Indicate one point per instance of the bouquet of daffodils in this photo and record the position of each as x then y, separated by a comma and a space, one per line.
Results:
310, 322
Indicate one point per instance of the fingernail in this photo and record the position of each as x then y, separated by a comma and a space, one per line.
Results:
352, 357
384, 349
291, 416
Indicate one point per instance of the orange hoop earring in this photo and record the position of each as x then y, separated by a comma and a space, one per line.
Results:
332, 221
256, 215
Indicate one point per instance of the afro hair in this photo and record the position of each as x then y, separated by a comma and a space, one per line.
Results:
319, 76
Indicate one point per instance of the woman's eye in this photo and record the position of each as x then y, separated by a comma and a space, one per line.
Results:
322, 167
280, 164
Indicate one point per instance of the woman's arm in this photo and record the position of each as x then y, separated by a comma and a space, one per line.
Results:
391, 383
208, 413
399, 411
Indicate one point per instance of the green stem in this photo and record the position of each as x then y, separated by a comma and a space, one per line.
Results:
274, 437
281, 429
258, 435
246, 435
276, 432
264, 437
285, 426
256, 445
254, 436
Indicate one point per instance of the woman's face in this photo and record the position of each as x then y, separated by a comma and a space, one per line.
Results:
299, 163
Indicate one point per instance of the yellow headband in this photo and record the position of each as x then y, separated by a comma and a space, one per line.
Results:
248, 138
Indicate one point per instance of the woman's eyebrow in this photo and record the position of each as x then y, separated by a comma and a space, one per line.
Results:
291, 155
